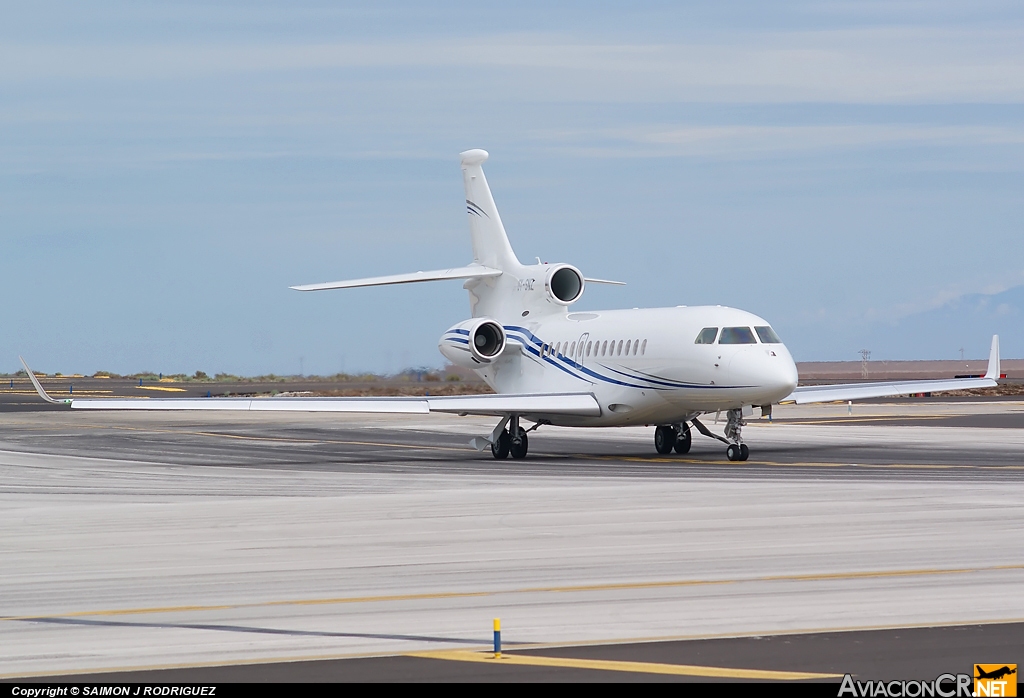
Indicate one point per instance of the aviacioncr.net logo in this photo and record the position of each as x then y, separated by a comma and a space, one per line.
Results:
995, 680
944, 686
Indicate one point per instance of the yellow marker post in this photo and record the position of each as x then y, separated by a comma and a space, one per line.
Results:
497, 638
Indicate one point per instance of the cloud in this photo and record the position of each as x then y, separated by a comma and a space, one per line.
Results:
755, 140
862, 65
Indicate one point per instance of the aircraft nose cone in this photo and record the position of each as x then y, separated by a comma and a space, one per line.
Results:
783, 370
787, 374
769, 367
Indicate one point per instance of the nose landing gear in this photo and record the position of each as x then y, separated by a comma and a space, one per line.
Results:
667, 437
737, 450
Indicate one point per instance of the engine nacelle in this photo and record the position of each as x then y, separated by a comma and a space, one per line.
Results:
563, 284
473, 343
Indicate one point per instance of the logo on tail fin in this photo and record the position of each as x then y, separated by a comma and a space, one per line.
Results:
475, 210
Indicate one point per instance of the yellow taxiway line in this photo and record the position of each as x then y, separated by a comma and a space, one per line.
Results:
528, 646
611, 665
579, 588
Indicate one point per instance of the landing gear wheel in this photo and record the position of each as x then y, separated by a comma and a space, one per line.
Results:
744, 452
500, 448
733, 452
519, 447
683, 439
664, 438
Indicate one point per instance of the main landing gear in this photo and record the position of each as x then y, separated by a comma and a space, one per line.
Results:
512, 441
672, 436
677, 436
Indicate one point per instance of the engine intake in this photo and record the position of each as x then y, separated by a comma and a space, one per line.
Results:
487, 340
473, 343
564, 284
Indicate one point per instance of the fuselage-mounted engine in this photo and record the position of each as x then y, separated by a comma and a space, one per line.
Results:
563, 284
473, 343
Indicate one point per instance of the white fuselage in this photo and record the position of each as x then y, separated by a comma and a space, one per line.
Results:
663, 377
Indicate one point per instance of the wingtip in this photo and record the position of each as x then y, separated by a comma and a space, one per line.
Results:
993, 371
36, 384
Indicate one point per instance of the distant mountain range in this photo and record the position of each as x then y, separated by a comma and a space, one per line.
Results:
968, 321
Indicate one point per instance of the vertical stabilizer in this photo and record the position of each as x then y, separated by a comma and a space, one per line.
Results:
490, 244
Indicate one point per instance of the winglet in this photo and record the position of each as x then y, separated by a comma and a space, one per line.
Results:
993, 360
39, 388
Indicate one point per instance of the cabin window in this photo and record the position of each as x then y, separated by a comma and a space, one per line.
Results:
604, 348
767, 335
636, 345
618, 350
572, 350
558, 345
707, 336
589, 344
643, 348
737, 335
627, 347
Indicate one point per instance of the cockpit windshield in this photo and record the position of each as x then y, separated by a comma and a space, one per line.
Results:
767, 335
707, 336
737, 335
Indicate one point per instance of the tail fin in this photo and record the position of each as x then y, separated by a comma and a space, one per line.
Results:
490, 243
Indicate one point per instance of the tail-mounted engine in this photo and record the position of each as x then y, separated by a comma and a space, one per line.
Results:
563, 284
473, 343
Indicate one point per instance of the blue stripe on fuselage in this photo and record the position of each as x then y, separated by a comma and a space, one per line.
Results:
669, 384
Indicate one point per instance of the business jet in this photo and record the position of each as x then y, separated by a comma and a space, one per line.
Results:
550, 365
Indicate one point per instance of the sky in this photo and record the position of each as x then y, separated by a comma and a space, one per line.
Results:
168, 169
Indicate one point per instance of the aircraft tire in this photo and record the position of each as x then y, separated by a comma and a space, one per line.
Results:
744, 452
519, 450
664, 439
683, 440
500, 448
732, 452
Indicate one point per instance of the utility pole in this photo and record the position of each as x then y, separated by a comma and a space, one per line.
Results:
865, 356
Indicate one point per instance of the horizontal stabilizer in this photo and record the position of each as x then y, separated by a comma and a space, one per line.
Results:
604, 281
473, 271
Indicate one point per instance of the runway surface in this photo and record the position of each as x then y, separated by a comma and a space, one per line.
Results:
141, 541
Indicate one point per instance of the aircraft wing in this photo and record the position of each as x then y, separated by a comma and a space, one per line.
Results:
473, 271
582, 404
859, 391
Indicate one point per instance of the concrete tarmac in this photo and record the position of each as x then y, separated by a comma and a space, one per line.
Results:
145, 541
